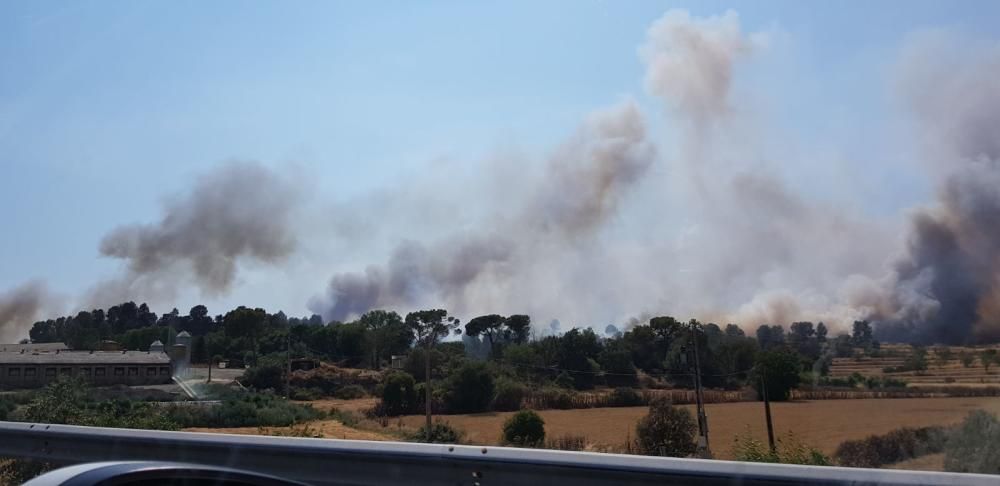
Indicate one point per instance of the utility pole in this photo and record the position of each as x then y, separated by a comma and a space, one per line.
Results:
767, 410
702, 418
427, 390
288, 363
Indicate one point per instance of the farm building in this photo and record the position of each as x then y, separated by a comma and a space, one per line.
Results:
33, 369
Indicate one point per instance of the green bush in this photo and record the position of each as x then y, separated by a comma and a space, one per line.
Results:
470, 388
666, 431
441, 433
399, 394
525, 429
972, 446
243, 409
509, 396
788, 450
350, 392
69, 402
268, 375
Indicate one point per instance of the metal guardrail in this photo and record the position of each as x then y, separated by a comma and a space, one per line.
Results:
349, 462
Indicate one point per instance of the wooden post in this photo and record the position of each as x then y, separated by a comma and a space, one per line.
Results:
288, 363
767, 411
702, 418
427, 390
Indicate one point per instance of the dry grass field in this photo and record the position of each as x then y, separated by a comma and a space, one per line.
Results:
822, 423
939, 371
328, 429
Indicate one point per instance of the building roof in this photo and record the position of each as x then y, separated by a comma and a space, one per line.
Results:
17, 348
183, 334
86, 357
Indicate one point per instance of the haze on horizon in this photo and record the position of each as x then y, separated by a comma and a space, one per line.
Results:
591, 163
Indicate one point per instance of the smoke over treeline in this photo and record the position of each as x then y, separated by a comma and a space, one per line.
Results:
581, 187
947, 285
19, 307
626, 217
241, 212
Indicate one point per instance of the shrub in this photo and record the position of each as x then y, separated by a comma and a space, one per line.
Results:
666, 431
399, 394
441, 433
18, 471
525, 428
6, 407
509, 395
68, 402
243, 409
305, 394
895, 446
564, 380
787, 450
350, 392
874, 382
330, 379
625, 397
268, 375
345, 417
972, 446
470, 388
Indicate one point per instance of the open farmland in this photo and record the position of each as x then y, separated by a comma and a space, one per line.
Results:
939, 371
821, 423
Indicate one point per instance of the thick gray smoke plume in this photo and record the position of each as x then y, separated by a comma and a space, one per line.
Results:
240, 211
947, 286
19, 308
581, 188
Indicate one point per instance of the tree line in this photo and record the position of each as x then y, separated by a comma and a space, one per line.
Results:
661, 348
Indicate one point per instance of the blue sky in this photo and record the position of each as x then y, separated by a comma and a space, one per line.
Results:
106, 107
